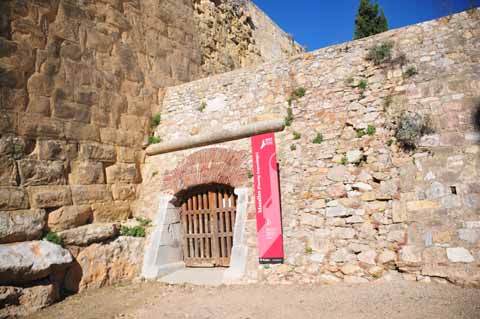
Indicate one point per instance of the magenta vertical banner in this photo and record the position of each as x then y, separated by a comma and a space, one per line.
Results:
267, 199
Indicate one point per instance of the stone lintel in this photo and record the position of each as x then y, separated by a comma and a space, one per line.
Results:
215, 137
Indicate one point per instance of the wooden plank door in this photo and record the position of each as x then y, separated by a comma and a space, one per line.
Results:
208, 218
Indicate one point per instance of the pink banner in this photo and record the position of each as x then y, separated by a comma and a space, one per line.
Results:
267, 199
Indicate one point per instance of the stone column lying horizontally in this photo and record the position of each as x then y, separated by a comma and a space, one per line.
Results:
218, 136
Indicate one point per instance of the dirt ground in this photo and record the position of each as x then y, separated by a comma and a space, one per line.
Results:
376, 300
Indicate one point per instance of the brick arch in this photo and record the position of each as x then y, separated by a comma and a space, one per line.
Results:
209, 166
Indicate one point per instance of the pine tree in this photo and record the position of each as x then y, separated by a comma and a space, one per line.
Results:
370, 20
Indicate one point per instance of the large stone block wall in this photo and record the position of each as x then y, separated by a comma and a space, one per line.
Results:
79, 82
356, 208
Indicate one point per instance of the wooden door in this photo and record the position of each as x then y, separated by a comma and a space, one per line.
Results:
208, 218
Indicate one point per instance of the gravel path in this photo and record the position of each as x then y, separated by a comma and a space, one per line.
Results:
376, 300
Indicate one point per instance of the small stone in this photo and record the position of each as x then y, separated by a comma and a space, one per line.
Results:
368, 257
344, 233
410, 255
376, 271
69, 217
21, 225
354, 220
387, 256
338, 174
459, 255
399, 212
354, 156
350, 269
398, 236
317, 257
363, 187
338, 211
368, 197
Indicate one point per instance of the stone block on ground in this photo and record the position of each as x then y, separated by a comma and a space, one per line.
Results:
33, 260
21, 225
15, 301
100, 265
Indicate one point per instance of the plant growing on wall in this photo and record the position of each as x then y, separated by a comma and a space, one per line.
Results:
318, 139
153, 140
54, 238
371, 130
136, 231
293, 147
155, 120
380, 53
202, 106
410, 71
296, 135
411, 127
289, 118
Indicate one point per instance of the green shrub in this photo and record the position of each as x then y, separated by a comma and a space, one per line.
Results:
318, 139
361, 133
249, 174
144, 222
371, 130
155, 120
293, 147
202, 106
411, 127
136, 231
308, 250
344, 160
362, 85
153, 140
299, 92
54, 238
296, 135
289, 118
411, 71
380, 53
390, 142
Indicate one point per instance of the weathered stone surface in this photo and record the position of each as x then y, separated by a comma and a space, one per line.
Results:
27, 261
338, 211
460, 274
111, 212
122, 173
422, 205
98, 152
338, 174
87, 173
8, 171
410, 255
105, 264
354, 156
69, 217
459, 255
88, 234
16, 301
34, 173
89, 194
54, 150
368, 257
49, 196
13, 198
387, 256
21, 225
123, 191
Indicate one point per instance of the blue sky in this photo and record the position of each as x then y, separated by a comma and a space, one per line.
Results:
320, 23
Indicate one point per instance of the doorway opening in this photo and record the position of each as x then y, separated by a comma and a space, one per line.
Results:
208, 215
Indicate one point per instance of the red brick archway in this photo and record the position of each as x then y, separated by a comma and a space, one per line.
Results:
209, 166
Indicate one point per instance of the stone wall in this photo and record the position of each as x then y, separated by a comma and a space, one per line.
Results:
356, 205
79, 82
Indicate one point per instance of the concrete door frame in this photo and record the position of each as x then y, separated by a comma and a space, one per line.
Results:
163, 249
